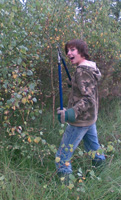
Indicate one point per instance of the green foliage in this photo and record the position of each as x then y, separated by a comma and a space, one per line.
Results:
27, 161
29, 34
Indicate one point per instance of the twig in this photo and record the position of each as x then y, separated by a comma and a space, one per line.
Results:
110, 160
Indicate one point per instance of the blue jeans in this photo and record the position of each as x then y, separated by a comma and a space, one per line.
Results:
71, 139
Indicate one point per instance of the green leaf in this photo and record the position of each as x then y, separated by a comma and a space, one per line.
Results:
80, 153
1, 103
92, 173
32, 86
72, 177
110, 148
19, 61
29, 73
2, 178
71, 186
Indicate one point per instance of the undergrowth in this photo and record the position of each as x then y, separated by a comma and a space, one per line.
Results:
27, 166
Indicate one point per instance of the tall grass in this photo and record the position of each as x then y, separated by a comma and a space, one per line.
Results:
30, 178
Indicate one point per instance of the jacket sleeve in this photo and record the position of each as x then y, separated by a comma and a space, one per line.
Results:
86, 85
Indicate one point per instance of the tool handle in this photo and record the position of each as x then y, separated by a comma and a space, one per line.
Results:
60, 83
66, 69
64, 64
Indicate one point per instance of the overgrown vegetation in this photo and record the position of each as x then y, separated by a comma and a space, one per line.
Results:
27, 169
30, 131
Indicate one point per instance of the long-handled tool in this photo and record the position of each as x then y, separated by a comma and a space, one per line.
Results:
60, 81
64, 64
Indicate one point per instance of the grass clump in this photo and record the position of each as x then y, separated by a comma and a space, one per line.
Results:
27, 167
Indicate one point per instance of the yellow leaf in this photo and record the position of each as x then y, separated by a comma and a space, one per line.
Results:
14, 107
13, 129
80, 181
29, 140
57, 159
37, 139
93, 155
15, 76
101, 34
62, 178
24, 100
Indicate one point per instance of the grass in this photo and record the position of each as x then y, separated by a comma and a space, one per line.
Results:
30, 177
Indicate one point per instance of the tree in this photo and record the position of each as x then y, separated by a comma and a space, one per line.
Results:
28, 49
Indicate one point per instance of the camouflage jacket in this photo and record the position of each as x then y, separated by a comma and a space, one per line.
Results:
84, 94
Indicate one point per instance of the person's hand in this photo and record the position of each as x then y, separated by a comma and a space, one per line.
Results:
61, 115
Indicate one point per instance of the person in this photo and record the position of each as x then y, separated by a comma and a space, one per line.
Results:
81, 113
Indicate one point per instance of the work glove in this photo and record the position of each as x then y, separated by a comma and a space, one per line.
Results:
61, 115
66, 115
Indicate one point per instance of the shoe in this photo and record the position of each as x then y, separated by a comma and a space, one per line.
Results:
98, 162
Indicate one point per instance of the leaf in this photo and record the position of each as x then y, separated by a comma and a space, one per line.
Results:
29, 73
66, 149
62, 178
19, 61
80, 180
37, 140
19, 96
110, 148
29, 139
71, 145
32, 86
61, 131
24, 100
80, 170
80, 153
2, 178
23, 134
71, 186
92, 173
43, 141
57, 159
34, 100
72, 177
15, 76
93, 154
1, 103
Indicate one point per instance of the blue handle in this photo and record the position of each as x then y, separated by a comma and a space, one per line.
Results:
60, 85
64, 64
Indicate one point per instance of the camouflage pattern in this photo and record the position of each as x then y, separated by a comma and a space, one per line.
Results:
84, 94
